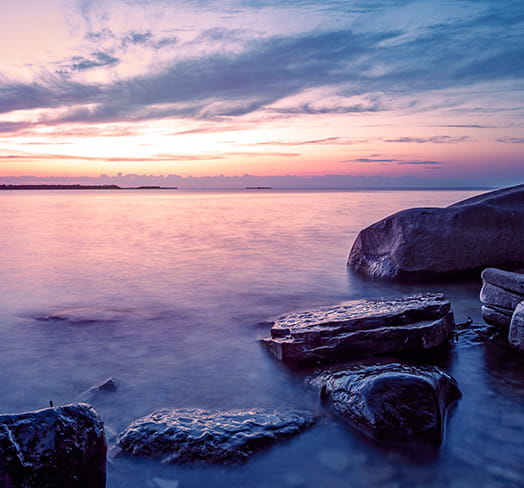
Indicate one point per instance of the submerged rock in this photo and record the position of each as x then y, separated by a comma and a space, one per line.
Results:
391, 402
362, 328
214, 437
55, 447
516, 329
83, 316
487, 230
501, 292
99, 391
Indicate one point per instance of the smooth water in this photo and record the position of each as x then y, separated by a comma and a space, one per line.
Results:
165, 291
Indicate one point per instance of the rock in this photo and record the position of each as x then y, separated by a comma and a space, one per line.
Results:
511, 281
55, 447
98, 391
487, 230
497, 297
214, 437
496, 316
501, 292
362, 328
516, 329
391, 402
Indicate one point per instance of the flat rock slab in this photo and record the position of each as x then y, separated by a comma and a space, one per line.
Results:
487, 230
210, 437
391, 402
55, 447
362, 328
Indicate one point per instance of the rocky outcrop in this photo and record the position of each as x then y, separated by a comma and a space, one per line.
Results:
362, 328
55, 447
391, 402
487, 230
516, 328
214, 437
501, 292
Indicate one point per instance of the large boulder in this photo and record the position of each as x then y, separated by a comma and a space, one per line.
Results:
516, 328
213, 437
391, 402
51, 448
362, 328
487, 230
501, 292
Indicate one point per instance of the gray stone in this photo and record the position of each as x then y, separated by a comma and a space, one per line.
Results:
487, 230
96, 392
516, 328
55, 447
510, 280
362, 328
501, 292
500, 317
215, 437
391, 402
498, 297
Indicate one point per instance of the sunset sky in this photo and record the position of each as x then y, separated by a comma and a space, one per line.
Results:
395, 92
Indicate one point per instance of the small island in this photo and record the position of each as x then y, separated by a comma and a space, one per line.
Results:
59, 187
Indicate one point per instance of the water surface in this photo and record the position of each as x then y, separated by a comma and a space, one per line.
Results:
165, 290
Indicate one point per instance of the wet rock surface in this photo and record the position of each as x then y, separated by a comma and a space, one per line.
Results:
483, 231
55, 447
391, 402
501, 292
211, 437
362, 328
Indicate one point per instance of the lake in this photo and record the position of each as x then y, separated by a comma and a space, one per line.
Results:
166, 291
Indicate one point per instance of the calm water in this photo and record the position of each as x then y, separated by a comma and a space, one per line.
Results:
165, 289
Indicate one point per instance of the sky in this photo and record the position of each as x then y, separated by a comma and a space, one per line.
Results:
334, 92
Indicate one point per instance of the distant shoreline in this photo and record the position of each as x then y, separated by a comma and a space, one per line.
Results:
82, 187
154, 187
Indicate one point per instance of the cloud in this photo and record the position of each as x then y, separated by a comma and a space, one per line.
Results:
394, 161
427, 163
511, 140
343, 141
454, 53
161, 157
135, 37
433, 140
97, 60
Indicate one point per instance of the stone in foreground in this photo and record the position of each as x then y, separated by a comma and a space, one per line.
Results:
51, 448
391, 402
362, 328
516, 328
487, 230
214, 437
501, 292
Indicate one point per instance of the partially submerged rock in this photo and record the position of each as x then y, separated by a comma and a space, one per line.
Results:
391, 402
516, 328
214, 437
55, 447
501, 292
362, 328
99, 391
487, 230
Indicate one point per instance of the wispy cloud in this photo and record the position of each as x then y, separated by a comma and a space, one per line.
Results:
511, 140
432, 140
97, 60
